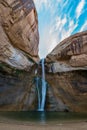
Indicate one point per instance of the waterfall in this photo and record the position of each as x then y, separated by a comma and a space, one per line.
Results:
41, 90
43, 87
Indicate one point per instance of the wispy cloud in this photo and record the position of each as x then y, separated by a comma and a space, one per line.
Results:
84, 26
60, 31
48, 40
80, 8
61, 19
40, 3
54, 33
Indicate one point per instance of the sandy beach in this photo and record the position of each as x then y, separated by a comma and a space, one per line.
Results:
65, 126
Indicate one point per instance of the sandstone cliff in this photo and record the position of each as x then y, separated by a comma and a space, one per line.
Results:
17, 89
68, 91
19, 36
70, 54
67, 74
66, 65
19, 40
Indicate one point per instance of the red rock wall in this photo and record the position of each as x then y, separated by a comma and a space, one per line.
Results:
19, 32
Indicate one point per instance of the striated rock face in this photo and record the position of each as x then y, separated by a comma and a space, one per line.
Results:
70, 54
19, 40
67, 74
65, 91
17, 89
69, 91
19, 36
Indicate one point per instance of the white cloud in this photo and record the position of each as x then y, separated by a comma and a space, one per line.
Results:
54, 33
84, 27
68, 32
48, 4
80, 8
61, 31
47, 41
60, 21
60, 25
40, 3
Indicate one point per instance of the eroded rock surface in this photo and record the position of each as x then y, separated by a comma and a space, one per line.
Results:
17, 89
69, 88
67, 73
19, 36
70, 54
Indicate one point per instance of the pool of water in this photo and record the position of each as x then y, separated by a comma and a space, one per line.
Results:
43, 117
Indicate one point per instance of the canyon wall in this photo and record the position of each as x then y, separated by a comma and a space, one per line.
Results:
67, 74
17, 89
19, 37
70, 54
65, 66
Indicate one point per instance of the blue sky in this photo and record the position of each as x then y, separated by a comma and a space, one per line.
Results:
58, 19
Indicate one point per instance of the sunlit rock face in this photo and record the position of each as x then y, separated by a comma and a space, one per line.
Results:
19, 36
67, 73
19, 40
70, 54
66, 65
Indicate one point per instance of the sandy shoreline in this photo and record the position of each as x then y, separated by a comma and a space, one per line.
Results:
60, 126
13, 124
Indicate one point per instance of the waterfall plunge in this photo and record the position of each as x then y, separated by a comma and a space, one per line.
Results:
43, 87
41, 91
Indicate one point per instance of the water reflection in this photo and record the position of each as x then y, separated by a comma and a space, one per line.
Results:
42, 117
